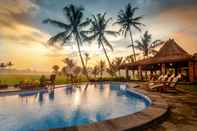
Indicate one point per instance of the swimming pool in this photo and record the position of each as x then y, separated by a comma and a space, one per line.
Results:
68, 106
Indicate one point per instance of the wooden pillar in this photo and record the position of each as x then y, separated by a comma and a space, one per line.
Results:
140, 72
195, 70
127, 73
191, 71
163, 68
133, 74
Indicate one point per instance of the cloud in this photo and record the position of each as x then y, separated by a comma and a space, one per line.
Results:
15, 23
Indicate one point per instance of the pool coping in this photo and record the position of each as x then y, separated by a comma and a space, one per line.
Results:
154, 114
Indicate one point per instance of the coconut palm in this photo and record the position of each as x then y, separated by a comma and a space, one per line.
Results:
76, 72
111, 70
87, 58
10, 64
127, 20
3, 65
129, 59
72, 29
102, 66
98, 31
95, 71
55, 68
146, 45
118, 61
68, 69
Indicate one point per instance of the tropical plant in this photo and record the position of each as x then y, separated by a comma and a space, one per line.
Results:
95, 71
127, 20
102, 66
111, 71
129, 59
69, 66
55, 68
10, 64
98, 31
146, 45
76, 72
3, 65
118, 61
72, 29
87, 58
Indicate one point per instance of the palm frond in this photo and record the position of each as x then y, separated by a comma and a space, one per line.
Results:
113, 33
108, 44
56, 23
156, 43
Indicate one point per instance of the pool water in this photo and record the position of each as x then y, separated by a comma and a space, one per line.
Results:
67, 106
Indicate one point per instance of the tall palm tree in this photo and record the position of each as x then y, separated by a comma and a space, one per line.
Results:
102, 67
72, 29
127, 20
98, 31
146, 45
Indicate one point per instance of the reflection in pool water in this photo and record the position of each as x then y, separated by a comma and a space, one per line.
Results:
67, 106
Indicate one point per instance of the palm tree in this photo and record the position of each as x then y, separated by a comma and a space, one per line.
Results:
68, 69
55, 68
10, 64
98, 31
146, 45
118, 61
76, 72
95, 71
127, 20
111, 70
102, 66
3, 65
87, 58
129, 59
72, 29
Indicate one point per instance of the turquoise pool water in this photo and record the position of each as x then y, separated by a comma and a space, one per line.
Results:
67, 106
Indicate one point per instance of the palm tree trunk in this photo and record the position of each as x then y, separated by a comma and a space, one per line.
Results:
101, 74
82, 61
106, 54
132, 43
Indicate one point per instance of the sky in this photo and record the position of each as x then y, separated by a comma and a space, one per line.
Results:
23, 36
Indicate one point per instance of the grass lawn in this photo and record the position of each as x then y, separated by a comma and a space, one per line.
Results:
190, 87
15, 79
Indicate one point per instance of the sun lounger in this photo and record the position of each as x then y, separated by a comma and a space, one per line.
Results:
161, 80
170, 83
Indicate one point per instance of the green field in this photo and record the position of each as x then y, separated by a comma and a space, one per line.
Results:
190, 87
15, 79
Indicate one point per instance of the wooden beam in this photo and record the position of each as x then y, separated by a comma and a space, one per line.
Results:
191, 71
163, 68
140, 72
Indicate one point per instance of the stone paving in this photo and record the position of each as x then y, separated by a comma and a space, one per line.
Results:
183, 113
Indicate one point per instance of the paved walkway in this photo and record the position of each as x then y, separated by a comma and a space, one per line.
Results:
183, 114
10, 89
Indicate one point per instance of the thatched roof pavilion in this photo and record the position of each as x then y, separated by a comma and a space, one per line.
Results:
171, 55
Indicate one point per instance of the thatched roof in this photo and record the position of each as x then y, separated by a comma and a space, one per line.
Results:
169, 53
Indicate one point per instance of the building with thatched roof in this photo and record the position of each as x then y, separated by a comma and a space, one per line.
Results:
170, 56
